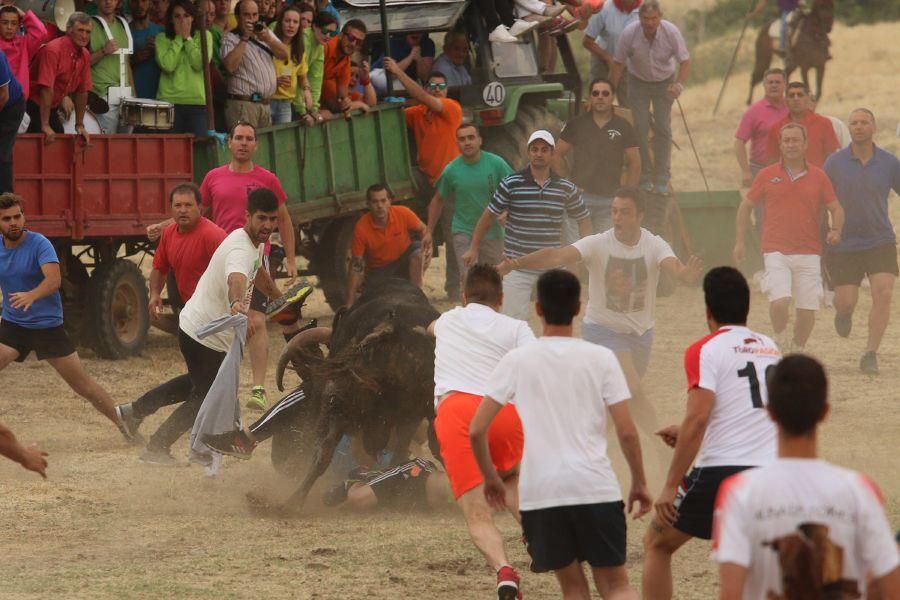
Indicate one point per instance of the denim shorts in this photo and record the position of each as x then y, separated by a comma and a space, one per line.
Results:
637, 345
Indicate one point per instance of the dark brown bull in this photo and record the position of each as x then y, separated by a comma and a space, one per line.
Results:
811, 566
377, 379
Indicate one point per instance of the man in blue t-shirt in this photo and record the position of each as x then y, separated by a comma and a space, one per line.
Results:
863, 176
143, 61
32, 319
12, 109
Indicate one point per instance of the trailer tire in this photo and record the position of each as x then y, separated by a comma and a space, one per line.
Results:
119, 317
74, 291
510, 141
332, 261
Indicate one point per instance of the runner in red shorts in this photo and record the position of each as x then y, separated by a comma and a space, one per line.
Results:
471, 340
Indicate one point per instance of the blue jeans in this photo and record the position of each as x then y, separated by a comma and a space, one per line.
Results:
641, 94
281, 111
599, 207
190, 118
637, 345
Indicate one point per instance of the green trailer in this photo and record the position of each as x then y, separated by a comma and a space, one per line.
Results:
325, 171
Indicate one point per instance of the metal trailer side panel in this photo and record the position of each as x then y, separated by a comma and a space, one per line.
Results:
115, 187
326, 169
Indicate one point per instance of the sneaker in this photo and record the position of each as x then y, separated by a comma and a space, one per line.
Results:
508, 584
161, 457
258, 400
868, 364
843, 323
286, 309
233, 443
336, 495
128, 424
501, 35
520, 28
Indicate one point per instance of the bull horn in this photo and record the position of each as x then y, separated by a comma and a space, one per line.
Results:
316, 335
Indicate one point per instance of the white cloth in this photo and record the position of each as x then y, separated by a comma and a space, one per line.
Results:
221, 409
797, 276
841, 131
236, 254
622, 279
732, 362
775, 520
561, 388
469, 342
517, 288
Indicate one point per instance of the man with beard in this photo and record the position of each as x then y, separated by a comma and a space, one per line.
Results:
32, 318
225, 287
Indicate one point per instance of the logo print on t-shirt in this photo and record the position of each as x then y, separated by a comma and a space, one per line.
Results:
776, 179
613, 134
626, 284
812, 566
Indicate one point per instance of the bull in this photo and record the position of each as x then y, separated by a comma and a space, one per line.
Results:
377, 380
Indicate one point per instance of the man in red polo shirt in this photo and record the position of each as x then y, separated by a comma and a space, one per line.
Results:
793, 193
60, 68
184, 251
382, 248
433, 122
822, 141
336, 70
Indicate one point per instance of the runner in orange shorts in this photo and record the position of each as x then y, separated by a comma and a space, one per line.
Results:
470, 341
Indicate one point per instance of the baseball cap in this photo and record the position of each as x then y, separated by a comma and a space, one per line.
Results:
542, 134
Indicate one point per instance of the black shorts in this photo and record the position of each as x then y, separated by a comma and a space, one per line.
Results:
397, 269
696, 499
559, 535
403, 486
49, 342
849, 268
258, 300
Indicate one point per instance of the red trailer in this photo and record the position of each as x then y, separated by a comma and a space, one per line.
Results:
95, 203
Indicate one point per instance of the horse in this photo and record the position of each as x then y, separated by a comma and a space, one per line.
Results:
808, 41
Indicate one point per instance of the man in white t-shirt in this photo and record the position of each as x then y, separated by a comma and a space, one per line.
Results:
725, 420
469, 342
623, 266
801, 527
224, 288
569, 498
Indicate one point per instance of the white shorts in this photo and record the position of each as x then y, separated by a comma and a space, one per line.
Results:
797, 276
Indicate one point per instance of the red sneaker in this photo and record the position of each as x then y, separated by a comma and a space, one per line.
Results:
508, 584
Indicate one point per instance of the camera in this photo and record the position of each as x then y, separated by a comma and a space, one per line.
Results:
258, 27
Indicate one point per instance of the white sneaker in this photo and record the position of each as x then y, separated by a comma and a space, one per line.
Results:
501, 35
554, 10
520, 27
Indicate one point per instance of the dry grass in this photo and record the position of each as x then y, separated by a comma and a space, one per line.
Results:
106, 526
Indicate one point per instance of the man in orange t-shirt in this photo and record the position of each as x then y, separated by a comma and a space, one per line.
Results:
335, 95
793, 193
382, 247
434, 122
822, 141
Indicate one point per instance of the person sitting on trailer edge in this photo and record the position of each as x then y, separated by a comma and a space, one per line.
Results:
60, 68
382, 247
335, 95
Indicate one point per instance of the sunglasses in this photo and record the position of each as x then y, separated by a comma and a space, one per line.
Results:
356, 41
797, 95
329, 33
437, 86
604, 93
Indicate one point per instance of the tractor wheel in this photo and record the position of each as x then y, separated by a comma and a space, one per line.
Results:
332, 260
74, 291
510, 140
119, 318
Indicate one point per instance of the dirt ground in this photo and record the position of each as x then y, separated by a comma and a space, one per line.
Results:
106, 526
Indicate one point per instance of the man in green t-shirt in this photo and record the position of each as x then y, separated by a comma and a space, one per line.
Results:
469, 181
105, 61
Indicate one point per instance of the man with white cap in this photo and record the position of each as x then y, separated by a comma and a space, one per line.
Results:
536, 201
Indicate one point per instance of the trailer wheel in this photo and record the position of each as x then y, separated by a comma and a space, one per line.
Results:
332, 260
510, 140
119, 316
74, 291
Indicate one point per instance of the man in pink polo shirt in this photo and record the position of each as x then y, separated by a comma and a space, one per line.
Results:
758, 119
20, 47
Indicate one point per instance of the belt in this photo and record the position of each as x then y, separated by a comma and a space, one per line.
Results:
247, 98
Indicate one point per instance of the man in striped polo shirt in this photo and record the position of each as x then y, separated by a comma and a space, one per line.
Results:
536, 201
